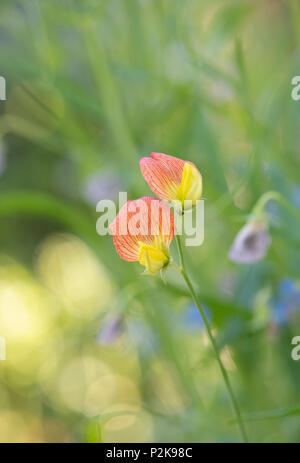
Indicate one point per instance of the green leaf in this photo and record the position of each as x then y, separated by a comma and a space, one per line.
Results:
278, 413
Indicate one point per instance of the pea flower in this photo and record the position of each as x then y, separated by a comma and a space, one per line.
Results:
142, 231
172, 179
251, 243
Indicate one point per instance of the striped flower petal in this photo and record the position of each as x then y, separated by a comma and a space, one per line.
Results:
171, 178
142, 231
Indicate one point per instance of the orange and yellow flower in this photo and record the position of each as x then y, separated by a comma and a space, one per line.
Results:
142, 231
172, 179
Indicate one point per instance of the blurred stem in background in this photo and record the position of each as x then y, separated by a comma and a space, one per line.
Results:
233, 399
275, 196
169, 343
108, 93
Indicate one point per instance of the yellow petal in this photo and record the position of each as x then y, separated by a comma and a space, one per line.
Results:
191, 184
153, 257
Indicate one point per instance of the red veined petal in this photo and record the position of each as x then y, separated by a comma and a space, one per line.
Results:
125, 244
163, 173
159, 177
141, 220
173, 164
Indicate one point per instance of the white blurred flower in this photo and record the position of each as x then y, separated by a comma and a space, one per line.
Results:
251, 243
101, 185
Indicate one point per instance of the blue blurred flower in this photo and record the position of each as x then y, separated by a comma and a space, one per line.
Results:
191, 319
286, 302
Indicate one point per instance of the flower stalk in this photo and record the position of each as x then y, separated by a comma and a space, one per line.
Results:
233, 399
275, 196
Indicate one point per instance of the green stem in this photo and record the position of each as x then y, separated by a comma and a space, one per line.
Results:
180, 252
213, 342
275, 196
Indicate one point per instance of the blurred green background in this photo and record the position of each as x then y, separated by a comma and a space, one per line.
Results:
95, 352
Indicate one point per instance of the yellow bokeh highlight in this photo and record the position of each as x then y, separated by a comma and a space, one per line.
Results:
69, 268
